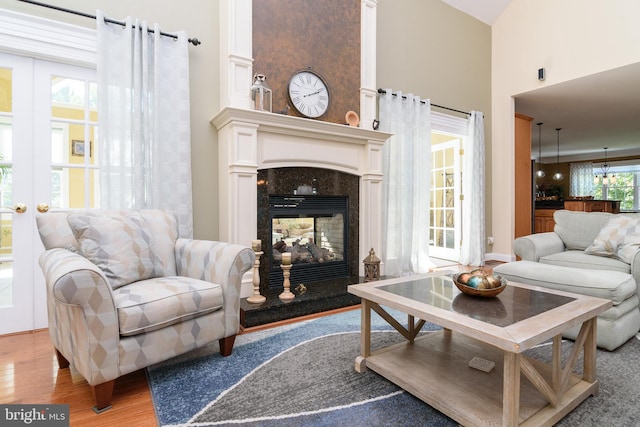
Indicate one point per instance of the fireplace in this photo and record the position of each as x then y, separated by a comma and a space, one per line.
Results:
312, 213
315, 231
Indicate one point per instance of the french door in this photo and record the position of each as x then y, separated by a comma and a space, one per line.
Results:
445, 210
48, 163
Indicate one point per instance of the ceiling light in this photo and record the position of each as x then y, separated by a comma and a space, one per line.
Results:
606, 179
540, 173
558, 176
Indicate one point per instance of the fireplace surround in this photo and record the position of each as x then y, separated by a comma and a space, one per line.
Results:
253, 144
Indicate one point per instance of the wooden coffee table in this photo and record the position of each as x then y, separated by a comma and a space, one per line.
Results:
491, 334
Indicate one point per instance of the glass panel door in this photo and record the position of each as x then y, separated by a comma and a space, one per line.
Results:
48, 149
445, 224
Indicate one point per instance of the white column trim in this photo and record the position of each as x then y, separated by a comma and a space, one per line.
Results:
236, 61
368, 90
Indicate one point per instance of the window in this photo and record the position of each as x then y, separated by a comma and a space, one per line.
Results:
626, 189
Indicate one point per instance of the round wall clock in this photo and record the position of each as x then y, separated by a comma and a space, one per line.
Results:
309, 93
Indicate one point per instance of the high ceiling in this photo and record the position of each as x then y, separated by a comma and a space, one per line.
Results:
597, 111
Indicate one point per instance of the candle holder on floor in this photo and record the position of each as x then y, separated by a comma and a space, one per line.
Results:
286, 295
256, 298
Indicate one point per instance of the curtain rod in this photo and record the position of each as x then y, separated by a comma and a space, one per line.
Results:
194, 41
382, 91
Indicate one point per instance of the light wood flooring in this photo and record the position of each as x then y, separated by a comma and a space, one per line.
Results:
29, 374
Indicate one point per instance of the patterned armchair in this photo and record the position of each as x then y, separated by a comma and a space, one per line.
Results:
124, 292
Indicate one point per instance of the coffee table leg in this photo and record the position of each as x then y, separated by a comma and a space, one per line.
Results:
365, 336
590, 352
511, 390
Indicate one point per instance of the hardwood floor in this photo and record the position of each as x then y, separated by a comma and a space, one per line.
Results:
29, 374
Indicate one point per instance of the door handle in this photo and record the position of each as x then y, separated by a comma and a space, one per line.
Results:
43, 208
18, 208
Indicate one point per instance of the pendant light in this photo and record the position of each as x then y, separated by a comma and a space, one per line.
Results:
558, 176
539, 173
606, 179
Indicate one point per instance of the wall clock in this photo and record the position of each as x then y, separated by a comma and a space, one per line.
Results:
309, 93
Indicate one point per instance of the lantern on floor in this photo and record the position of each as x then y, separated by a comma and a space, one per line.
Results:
371, 267
261, 93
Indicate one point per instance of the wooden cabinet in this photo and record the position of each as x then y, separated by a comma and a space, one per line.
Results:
523, 176
543, 220
612, 206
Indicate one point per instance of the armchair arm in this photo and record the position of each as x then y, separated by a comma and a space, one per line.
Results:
534, 246
217, 262
83, 323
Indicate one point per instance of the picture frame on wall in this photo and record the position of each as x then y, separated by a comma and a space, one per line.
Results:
77, 148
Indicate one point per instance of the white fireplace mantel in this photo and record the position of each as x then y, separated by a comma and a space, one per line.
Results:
250, 140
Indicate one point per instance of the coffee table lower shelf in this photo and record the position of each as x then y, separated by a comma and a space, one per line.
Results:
435, 368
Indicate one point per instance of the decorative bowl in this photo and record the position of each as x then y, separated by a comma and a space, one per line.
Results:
475, 292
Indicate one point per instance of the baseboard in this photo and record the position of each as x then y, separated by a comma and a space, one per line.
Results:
493, 256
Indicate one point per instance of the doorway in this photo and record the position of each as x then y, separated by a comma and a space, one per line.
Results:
48, 163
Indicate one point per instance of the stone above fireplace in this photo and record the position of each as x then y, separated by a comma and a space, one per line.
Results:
250, 140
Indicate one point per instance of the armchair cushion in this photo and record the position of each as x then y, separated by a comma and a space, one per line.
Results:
152, 304
127, 247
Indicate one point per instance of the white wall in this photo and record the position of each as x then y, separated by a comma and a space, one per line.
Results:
570, 39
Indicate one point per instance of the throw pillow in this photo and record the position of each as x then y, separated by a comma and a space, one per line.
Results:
613, 234
121, 246
629, 245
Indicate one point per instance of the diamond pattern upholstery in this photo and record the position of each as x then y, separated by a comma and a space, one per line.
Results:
107, 331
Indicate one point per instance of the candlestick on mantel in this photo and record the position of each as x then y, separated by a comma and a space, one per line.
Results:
256, 245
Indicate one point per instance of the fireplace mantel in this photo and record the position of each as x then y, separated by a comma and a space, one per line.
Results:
250, 140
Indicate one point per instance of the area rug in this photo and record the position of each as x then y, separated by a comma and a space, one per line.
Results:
303, 375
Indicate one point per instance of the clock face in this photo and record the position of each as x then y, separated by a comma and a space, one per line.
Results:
309, 94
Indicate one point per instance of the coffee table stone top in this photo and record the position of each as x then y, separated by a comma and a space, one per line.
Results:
512, 305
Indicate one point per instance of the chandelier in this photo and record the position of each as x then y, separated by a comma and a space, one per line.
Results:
606, 178
539, 172
558, 176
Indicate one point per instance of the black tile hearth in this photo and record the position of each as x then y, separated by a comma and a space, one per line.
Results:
318, 297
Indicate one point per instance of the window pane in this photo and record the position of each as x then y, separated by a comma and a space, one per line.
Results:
6, 90
68, 98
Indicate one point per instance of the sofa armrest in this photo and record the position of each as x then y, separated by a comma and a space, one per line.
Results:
217, 262
82, 314
635, 269
534, 246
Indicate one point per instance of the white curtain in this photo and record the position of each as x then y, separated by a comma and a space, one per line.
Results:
144, 120
406, 169
472, 250
581, 179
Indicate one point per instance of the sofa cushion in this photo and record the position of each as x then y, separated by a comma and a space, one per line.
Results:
122, 247
579, 259
579, 229
612, 285
618, 230
152, 304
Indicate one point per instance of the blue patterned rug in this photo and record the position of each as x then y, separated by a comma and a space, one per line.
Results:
303, 375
